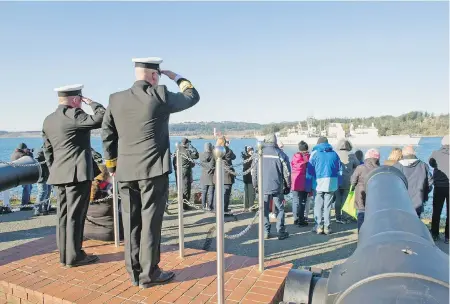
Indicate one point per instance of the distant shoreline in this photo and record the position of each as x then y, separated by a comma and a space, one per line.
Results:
231, 136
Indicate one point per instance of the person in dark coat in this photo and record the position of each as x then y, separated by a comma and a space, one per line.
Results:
136, 146
98, 159
349, 162
188, 150
276, 184
439, 161
229, 178
67, 150
358, 182
42, 206
360, 156
249, 191
419, 178
21, 151
207, 177
100, 216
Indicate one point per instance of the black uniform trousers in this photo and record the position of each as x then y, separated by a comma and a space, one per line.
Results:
440, 195
73, 202
143, 205
187, 185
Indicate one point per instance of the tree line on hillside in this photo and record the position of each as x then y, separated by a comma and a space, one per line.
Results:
420, 123
413, 123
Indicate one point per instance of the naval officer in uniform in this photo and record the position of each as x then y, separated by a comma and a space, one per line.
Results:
67, 150
136, 147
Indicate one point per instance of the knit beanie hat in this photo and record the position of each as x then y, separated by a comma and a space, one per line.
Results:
302, 146
372, 153
322, 140
22, 146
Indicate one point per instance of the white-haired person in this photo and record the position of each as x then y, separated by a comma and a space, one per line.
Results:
358, 181
419, 178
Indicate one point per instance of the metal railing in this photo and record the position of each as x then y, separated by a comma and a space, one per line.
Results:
220, 169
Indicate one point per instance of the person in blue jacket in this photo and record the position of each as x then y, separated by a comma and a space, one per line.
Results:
326, 171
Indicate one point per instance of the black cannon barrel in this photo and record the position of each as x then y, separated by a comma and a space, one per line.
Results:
396, 260
23, 171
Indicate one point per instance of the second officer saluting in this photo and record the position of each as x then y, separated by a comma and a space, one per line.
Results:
67, 150
135, 134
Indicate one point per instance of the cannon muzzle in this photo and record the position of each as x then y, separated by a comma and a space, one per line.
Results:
24, 171
396, 260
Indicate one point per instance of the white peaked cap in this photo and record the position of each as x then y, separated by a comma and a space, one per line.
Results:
147, 63
154, 60
69, 90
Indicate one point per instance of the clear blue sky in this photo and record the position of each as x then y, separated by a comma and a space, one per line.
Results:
259, 62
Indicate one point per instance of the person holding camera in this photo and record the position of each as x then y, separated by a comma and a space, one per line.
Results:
67, 150
189, 151
42, 206
276, 184
21, 151
136, 145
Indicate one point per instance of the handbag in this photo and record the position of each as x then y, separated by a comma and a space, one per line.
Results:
349, 205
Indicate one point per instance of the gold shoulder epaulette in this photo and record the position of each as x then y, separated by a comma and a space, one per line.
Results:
111, 163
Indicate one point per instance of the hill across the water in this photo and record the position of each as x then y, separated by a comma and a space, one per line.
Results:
418, 123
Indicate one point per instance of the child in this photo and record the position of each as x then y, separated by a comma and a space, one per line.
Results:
99, 223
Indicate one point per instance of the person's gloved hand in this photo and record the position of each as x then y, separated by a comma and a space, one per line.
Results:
287, 190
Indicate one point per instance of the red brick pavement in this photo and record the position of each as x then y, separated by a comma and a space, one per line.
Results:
31, 273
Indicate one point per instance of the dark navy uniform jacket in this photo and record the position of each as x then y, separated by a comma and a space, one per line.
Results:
135, 130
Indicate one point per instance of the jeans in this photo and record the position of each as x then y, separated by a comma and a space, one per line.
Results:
361, 214
298, 205
43, 198
324, 200
208, 196
440, 195
26, 193
278, 202
341, 196
249, 196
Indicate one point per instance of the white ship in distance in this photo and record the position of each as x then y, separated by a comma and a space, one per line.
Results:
360, 136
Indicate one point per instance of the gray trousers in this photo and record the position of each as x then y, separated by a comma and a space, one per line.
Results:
73, 202
143, 205
249, 195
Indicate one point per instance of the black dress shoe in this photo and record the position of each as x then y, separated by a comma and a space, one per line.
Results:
88, 259
164, 277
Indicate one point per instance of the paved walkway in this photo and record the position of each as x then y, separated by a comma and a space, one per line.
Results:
302, 248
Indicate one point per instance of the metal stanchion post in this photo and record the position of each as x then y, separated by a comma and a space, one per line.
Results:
180, 200
261, 206
116, 213
219, 152
6, 198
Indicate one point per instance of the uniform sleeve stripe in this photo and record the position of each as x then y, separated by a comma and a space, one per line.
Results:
184, 85
111, 163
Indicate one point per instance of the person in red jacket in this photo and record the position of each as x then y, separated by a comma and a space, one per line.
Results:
300, 183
